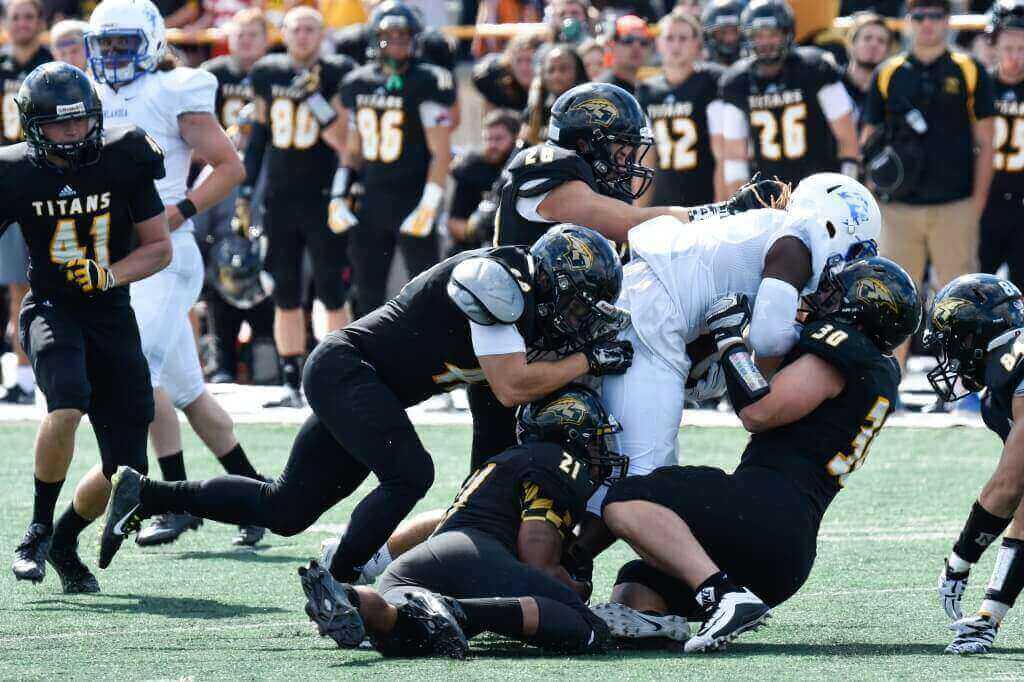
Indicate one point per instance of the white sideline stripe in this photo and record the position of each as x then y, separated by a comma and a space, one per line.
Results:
155, 631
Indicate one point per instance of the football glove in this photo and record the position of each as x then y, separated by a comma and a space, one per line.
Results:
242, 220
609, 322
89, 276
609, 357
726, 319
339, 212
951, 590
420, 222
578, 561
759, 193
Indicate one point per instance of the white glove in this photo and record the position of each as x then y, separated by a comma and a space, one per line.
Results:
339, 215
420, 222
708, 387
951, 591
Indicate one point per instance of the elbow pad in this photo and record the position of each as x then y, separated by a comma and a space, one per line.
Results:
254, 153
773, 329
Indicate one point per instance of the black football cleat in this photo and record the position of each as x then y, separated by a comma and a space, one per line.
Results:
427, 625
248, 536
16, 395
330, 607
123, 516
75, 577
166, 528
292, 398
30, 554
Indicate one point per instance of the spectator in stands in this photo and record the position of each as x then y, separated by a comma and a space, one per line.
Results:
217, 13
177, 13
641, 8
560, 70
67, 42
630, 47
503, 80
870, 43
569, 20
592, 54
934, 109
474, 174
504, 12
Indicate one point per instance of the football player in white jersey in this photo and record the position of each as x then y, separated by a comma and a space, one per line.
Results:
140, 83
677, 275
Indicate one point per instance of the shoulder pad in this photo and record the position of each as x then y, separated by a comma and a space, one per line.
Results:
438, 83
486, 292
1004, 364
484, 67
841, 345
184, 80
142, 155
340, 62
553, 164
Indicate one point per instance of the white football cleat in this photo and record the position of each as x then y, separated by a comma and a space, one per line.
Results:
628, 623
736, 613
974, 635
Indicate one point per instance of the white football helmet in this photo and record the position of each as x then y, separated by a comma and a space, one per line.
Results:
846, 211
126, 39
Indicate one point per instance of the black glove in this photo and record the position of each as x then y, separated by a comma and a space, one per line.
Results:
608, 321
726, 319
579, 564
759, 193
609, 357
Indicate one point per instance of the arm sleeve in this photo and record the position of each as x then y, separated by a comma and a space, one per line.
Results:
734, 122
773, 330
835, 101
191, 91
496, 339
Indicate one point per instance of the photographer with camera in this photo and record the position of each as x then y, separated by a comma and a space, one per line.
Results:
928, 149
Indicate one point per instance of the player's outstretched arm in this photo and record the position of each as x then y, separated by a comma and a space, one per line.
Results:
153, 253
516, 382
796, 391
575, 202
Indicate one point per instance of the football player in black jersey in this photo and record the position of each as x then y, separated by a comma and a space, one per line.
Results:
975, 331
787, 103
684, 111
721, 22
497, 556
999, 242
590, 170
84, 196
399, 144
247, 43
298, 126
467, 320
724, 548
357, 42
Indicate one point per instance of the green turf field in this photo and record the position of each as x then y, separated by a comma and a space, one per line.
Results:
204, 610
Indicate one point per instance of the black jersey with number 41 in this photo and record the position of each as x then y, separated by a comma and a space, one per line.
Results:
298, 160
685, 173
90, 213
387, 110
529, 482
419, 342
820, 450
789, 132
1008, 160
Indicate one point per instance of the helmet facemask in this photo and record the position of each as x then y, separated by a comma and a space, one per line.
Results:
570, 317
75, 154
768, 56
957, 374
118, 56
617, 162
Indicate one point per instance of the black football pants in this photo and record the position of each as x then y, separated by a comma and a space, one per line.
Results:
358, 426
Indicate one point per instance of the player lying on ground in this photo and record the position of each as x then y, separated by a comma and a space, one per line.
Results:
468, 319
724, 548
975, 331
496, 557
81, 194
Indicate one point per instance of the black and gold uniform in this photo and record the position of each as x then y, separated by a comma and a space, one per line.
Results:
434, 46
999, 238
12, 73
300, 166
390, 113
85, 351
789, 132
760, 523
678, 115
473, 179
234, 88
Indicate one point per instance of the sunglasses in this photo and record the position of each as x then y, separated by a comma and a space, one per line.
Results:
630, 40
934, 15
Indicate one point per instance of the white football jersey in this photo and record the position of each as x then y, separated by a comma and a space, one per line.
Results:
154, 102
696, 264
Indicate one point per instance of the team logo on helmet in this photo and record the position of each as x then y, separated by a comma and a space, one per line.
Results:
858, 207
945, 310
875, 291
601, 111
578, 253
568, 410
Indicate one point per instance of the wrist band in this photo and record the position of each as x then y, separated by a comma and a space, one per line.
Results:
187, 208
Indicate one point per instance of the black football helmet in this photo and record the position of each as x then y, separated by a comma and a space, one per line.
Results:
718, 15
235, 269
966, 316
578, 276
761, 14
57, 92
1004, 14
588, 119
575, 419
392, 14
874, 294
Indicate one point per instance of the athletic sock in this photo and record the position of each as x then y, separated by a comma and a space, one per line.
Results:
291, 368
172, 467
500, 616
26, 378
981, 530
45, 501
1007, 579
713, 589
235, 462
69, 526
378, 563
